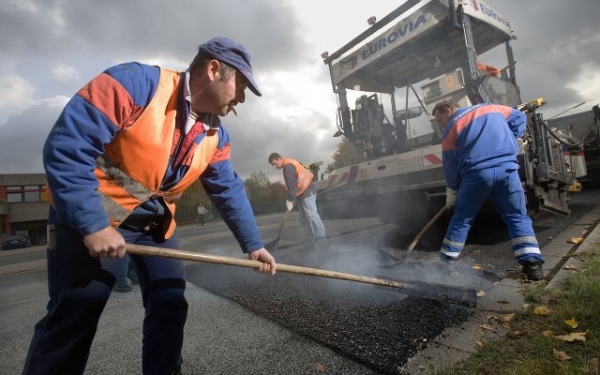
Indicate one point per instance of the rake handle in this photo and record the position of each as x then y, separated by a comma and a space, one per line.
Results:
425, 229
231, 261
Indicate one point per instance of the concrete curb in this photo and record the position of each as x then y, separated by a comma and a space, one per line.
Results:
507, 297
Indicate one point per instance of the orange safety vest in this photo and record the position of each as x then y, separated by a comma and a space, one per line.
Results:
303, 175
134, 163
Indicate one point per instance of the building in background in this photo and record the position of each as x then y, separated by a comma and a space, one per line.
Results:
24, 205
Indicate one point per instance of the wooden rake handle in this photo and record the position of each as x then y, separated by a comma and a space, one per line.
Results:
231, 261
425, 229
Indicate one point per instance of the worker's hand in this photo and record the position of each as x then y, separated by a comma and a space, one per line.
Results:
289, 204
107, 243
450, 197
268, 262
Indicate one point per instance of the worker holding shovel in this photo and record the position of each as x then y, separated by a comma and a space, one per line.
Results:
302, 191
117, 160
479, 150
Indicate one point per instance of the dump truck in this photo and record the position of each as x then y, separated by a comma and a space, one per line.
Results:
583, 130
418, 55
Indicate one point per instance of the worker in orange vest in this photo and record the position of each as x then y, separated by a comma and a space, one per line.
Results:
117, 161
303, 192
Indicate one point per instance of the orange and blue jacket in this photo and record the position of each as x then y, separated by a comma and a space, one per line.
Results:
297, 179
478, 137
119, 150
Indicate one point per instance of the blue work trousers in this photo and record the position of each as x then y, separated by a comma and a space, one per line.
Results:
79, 287
504, 187
314, 230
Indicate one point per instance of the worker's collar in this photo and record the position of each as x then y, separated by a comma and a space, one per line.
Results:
208, 119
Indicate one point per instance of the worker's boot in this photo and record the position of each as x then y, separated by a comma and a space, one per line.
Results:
533, 270
448, 264
443, 264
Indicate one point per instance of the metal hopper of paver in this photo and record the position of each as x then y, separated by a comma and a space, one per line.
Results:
420, 54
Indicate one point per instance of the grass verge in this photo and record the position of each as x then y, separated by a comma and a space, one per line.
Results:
558, 332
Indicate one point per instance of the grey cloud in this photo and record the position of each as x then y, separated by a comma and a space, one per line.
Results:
556, 41
132, 29
23, 138
255, 137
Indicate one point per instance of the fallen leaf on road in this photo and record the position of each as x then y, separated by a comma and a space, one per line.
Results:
479, 343
507, 318
517, 333
575, 336
319, 367
572, 323
486, 327
477, 267
542, 310
575, 240
560, 355
481, 293
570, 267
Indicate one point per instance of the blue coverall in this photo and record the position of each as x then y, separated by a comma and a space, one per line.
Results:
480, 158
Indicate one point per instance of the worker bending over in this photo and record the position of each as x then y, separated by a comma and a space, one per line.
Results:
118, 158
479, 152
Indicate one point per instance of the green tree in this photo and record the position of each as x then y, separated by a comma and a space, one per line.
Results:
345, 155
265, 197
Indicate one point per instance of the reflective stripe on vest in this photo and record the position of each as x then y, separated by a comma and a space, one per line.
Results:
304, 175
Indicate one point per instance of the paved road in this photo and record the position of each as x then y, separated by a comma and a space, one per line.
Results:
300, 324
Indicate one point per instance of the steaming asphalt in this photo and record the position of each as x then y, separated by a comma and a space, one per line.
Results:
378, 327
242, 322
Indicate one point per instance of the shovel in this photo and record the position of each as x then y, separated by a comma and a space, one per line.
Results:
461, 296
271, 245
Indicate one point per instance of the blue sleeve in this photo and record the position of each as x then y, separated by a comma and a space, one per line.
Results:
78, 138
450, 162
227, 192
517, 122
451, 171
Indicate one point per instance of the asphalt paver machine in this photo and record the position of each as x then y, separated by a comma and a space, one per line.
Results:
421, 53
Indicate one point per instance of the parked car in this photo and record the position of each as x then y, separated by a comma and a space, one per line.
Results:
15, 242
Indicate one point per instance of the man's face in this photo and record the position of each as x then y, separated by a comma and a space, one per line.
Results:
222, 92
442, 117
277, 163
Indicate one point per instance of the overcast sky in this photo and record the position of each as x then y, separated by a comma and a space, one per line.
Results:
50, 48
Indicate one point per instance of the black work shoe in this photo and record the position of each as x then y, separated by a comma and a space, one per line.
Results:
122, 288
533, 270
443, 264
448, 265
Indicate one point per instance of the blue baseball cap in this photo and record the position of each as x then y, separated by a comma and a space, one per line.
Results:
231, 53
